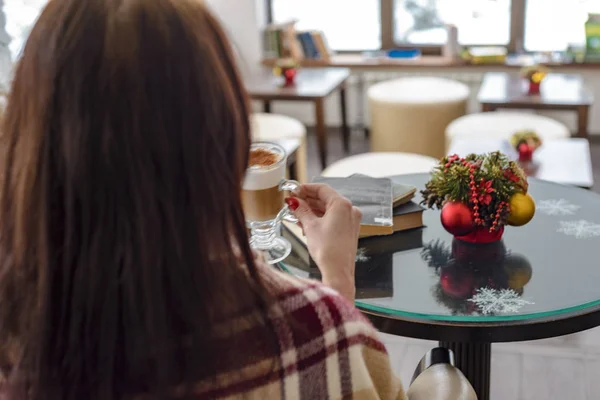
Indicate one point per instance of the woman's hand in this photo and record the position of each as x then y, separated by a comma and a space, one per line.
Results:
331, 225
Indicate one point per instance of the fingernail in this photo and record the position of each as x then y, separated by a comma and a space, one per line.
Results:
292, 203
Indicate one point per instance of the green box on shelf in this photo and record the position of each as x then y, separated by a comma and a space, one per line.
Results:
592, 34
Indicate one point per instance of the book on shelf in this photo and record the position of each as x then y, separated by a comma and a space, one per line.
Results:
284, 41
322, 45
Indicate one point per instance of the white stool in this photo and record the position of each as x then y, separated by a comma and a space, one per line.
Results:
379, 165
411, 114
278, 128
502, 125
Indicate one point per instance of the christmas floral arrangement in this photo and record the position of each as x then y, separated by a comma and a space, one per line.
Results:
534, 75
525, 142
479, 195
287, 68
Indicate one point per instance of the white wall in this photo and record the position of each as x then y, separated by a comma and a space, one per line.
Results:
241, 20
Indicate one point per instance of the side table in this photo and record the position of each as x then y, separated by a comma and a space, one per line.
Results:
314, 85
558, 92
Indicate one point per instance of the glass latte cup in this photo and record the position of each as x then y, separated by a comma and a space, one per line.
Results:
263, 200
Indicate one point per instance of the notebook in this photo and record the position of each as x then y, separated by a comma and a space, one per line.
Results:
373, 196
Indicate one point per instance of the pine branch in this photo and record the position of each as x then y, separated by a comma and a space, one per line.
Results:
495, 177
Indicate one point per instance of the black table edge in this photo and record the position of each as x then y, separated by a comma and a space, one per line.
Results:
487, 332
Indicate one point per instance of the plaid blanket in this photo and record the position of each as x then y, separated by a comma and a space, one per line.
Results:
333, 354
328, 350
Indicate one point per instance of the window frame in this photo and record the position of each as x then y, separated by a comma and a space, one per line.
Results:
515, 44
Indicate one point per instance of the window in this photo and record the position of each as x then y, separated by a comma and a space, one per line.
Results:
553, 26
480, 22
20, 17
357, 23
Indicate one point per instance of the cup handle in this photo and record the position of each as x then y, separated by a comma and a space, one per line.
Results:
288, 186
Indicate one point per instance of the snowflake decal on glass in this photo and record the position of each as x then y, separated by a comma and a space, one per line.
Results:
361, 255
581, 229
557, 207
498, 301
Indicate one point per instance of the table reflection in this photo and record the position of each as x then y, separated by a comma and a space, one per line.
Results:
465, 269
374, 274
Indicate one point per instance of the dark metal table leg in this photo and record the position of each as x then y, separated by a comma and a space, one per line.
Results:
292, 171
321, 131
345, 129
582, 121
474, 360
267, 106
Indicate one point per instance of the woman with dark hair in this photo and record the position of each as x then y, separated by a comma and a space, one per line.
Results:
126, 270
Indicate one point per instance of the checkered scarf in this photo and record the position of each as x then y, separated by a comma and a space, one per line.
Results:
333, 353
328, 350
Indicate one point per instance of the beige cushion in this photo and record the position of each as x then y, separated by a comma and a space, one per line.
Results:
441, 382
380, 165
411, 114
502, 125
276, 128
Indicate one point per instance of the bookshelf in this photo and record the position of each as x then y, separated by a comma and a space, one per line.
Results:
283, 40
358, 62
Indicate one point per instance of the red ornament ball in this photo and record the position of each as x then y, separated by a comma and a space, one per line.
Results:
457, 218
457, 282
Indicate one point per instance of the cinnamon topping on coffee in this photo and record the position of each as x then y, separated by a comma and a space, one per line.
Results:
262, 158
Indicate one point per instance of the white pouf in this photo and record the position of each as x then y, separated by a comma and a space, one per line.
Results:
502, 125
411, 114
274, 128
378, 165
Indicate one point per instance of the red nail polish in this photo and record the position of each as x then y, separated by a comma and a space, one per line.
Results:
292, 203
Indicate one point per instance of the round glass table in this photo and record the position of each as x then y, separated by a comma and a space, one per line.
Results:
541, 280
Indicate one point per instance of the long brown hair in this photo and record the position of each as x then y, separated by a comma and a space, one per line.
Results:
125, 142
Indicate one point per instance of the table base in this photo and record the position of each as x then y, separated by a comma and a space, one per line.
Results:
474, 360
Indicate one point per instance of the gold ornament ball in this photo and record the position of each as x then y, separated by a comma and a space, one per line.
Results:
518, 271
522, 209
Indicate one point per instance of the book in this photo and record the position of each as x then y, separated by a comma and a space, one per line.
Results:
309, 44
294, 48
373, 196
401, 193
408, 216
305, 49
321, 45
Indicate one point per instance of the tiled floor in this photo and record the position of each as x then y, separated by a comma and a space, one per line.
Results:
563, 368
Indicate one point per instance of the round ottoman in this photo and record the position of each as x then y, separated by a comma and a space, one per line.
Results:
411, 114
379, 165
275, 128
502, 125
